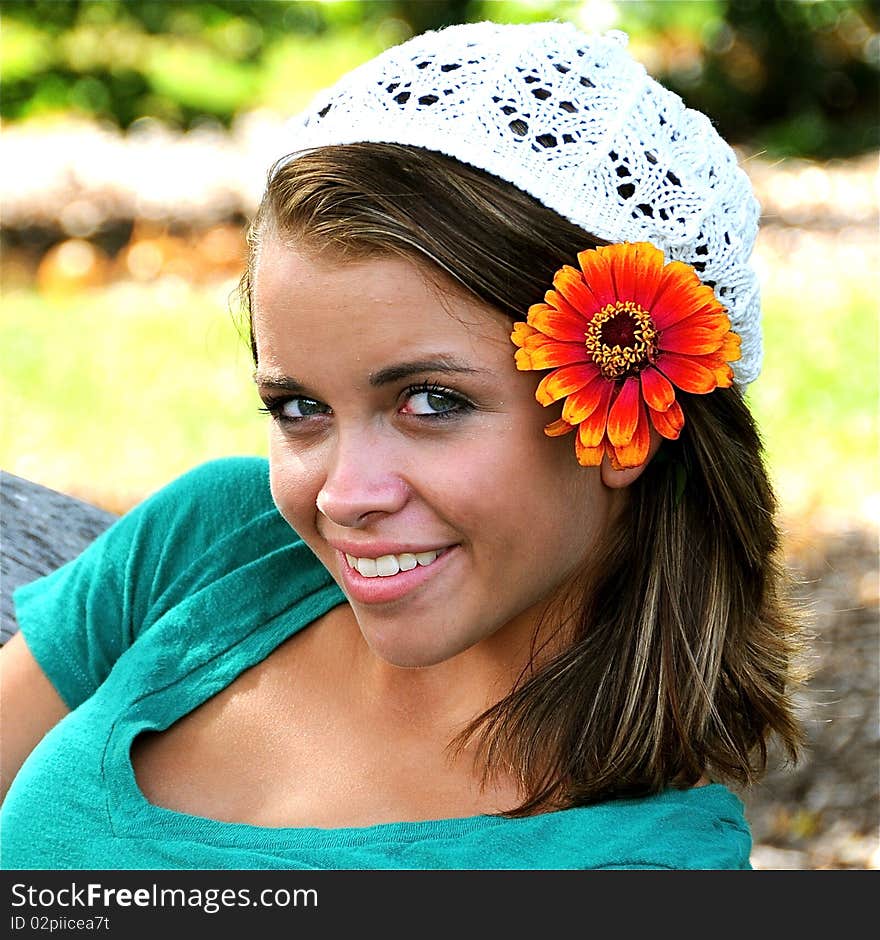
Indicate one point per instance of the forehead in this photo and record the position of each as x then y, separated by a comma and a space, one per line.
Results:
326, 302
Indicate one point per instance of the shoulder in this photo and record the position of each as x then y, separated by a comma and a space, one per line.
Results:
207, 502
240, 483
215, 518
699, 828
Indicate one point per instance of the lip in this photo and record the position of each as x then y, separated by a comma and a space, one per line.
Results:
385, 590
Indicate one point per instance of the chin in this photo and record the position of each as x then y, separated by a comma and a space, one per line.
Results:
409, 655
407, 658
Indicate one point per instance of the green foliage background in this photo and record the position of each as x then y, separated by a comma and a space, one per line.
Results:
790, 76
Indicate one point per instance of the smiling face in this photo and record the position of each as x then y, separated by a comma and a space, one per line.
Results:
408, 452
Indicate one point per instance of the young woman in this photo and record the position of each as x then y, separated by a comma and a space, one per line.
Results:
506, 593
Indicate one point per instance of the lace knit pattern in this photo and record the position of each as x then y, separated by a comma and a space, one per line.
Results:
575, 121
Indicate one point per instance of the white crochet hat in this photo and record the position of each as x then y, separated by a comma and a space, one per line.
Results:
573, 120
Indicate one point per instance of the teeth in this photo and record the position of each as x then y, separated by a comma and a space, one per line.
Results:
387, 566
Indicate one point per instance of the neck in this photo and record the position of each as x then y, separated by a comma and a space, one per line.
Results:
439, 700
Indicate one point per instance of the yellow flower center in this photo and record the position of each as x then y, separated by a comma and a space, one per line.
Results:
620, 339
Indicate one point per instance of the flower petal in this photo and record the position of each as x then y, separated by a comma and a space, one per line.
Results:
670, 422
611, 455
706, 319
731, 347
717, 362
556, 300
636, 270
588, 456
522, 332
591, 430
692, 341
681, 294
657, 390
549, 355
624, 414
536, 340
723, 375
687, 373
558, 428
597, 277
719, 367
570, 283
564, 381
582, 403
635, 453
559, 325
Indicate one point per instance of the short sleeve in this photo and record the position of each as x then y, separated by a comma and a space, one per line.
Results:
78, 620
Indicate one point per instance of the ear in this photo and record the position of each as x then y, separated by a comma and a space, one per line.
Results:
618, 479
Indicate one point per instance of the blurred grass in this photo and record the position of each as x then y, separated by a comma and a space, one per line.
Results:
109, 393
817, 400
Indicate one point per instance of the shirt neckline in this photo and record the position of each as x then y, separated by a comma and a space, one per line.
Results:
133, 815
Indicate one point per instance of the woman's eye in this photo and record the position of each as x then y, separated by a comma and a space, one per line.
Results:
295, 409
432, 402
303, 408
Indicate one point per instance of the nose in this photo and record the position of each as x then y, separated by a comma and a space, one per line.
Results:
361, 481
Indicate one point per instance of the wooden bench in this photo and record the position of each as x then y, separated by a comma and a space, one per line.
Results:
40, 529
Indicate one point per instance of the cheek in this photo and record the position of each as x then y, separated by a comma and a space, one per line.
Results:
562, 508
508, 486
294, 483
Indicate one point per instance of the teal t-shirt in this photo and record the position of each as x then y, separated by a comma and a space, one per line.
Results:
190, 588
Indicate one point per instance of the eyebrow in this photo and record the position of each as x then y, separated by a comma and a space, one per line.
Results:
447, 365
279, 382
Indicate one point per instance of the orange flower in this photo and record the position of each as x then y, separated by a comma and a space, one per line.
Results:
620, 335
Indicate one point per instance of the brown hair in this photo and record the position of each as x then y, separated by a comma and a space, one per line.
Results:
681, 661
